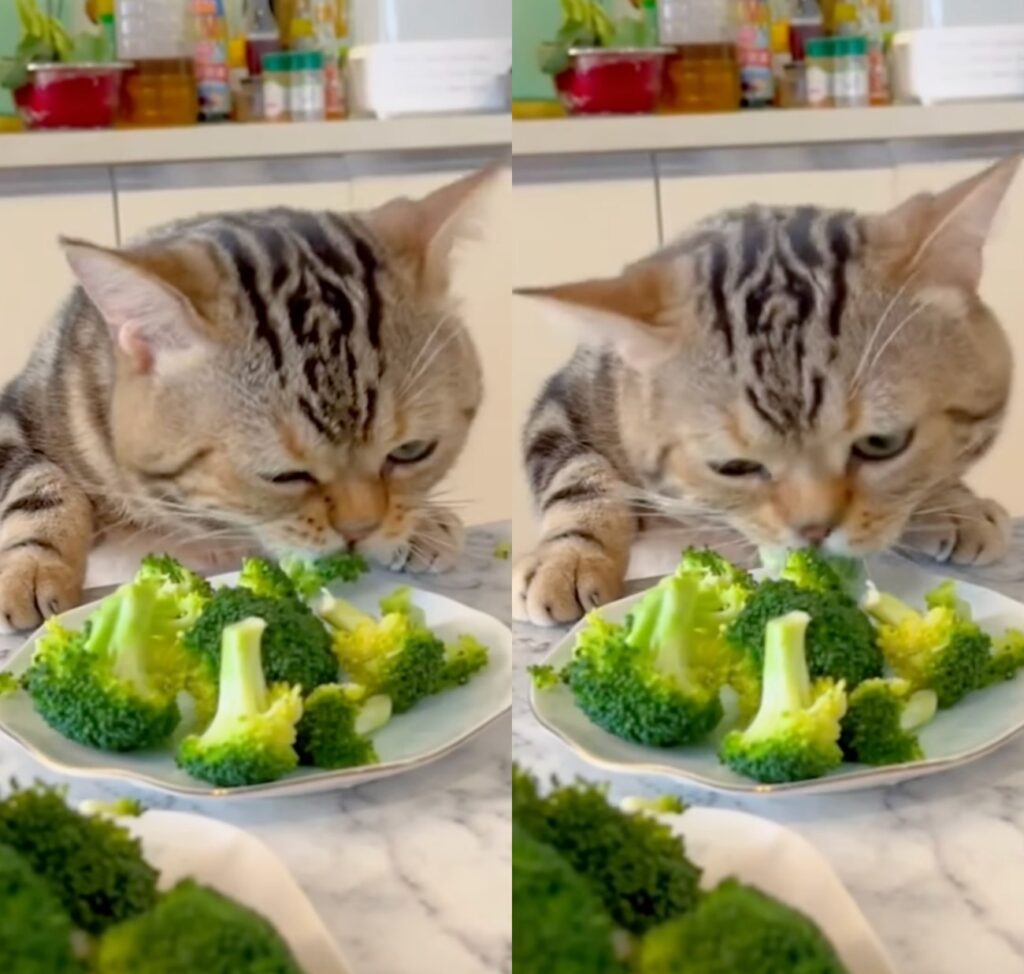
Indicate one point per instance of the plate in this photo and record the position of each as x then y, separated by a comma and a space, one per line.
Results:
434, 728
782, 864
238, 865
977, 726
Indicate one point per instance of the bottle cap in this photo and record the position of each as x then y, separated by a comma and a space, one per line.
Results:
307, 61
851, 46
277, 61
823, 47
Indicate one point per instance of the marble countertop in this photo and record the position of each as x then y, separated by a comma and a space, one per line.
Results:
411, 873
936, 865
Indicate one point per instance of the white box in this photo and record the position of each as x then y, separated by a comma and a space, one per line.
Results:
390, 21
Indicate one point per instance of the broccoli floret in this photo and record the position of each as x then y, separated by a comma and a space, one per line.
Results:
174, 576
194, 929
736, 928
937, 650
815, 569
662, 805
463, 659
296, 645
634, 863
655, 680
400, 602
35, 929
546, 677
882, 717
310, 576
335, 727
559, 925
93, 865
266, 578
841, 641
252, 737
946, 596
119, 808
9, 685
795, 735
1006, 658
102, 686
502, 551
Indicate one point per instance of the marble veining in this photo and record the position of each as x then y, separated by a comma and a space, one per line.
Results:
410, 874
936, 865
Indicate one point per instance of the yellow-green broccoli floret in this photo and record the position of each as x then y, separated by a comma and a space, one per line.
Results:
1006, 658
400, 602
795, 735
737, 929
463, 659
252, 737
9, 685
266, 578
337, 721
882, 720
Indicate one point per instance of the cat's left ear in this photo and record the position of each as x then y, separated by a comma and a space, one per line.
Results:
425, 232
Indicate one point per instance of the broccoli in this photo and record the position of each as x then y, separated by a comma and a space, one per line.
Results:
119, 808
252, 737
93, 865
724, 587
634, 863
176, 578
336, 724
937, 650
502, 551
310, 576
9, 685
814, 569
100, 686
841, 641
463, 659
400, 602
267, 579
35, 930
1006, 657
296, 646
546, 677
795, 734
946, 596
662, 805
194, 929
655, 680
881, 719
736, 928
393, 656
559, 925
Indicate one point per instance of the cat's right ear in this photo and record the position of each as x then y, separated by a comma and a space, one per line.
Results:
635, 312
148, 318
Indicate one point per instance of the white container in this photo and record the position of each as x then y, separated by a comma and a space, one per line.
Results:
392, 21
152, 29
430, 77
922, 14
694, 22
950, 64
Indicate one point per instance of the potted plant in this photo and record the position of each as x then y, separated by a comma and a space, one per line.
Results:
58, 81
597, 65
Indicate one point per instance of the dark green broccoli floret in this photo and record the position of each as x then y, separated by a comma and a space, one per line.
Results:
310, 576
103, 686
296, 646
266, 578
736, 929
35, 929
937, 650
796, 731
559, 925
93, 865
1006, 658
882, 717
195, 930
634, 863
841, 641
252, 737
814, 569
655, 680
336, 724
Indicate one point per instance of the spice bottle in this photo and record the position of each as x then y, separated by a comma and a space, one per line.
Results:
754, 52
306, 97
850, 72
820, 60
276, 86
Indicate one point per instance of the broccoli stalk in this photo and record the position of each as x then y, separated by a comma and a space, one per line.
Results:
882, 719
342, 615
251, 739
795, 734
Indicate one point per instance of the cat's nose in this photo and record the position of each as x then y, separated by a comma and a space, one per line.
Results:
353, 531
816, 532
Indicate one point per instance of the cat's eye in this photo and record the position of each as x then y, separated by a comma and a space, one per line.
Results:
740, 468
290, 477
414, 451
882, 446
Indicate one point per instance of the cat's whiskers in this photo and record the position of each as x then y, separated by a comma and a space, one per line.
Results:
409, 385
918, 308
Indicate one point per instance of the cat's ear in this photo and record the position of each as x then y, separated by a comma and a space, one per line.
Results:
426, 232
148, 317
940, 238
635, 312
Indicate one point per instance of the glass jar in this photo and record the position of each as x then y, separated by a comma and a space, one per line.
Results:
820, 61
307, 94
702, 78
277, 71
850, 87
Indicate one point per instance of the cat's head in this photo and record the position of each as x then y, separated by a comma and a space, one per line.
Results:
811, 374
303, 377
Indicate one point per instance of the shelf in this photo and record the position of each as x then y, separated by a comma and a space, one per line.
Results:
260, 141
665, 133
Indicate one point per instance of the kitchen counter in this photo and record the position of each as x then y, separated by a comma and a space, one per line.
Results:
936, 865
411, 873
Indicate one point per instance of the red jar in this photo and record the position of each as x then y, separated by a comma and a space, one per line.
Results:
76, 96
612, 81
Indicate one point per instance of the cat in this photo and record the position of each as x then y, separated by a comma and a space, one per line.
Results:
286, 380
801, 375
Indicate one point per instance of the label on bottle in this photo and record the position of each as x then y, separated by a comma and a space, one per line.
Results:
275, 99
819, 88
851, 84
307, 100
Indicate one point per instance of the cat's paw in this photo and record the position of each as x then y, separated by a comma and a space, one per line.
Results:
434, 545
562, 581
35, 583
974, 532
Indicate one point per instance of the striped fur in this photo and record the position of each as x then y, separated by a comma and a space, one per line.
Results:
277, 380
796, 374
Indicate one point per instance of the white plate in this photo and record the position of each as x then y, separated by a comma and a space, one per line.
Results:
234, 863
431, 730
784, 865
973, 728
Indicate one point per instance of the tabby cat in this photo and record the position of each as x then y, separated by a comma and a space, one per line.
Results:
298, 380
798, 374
